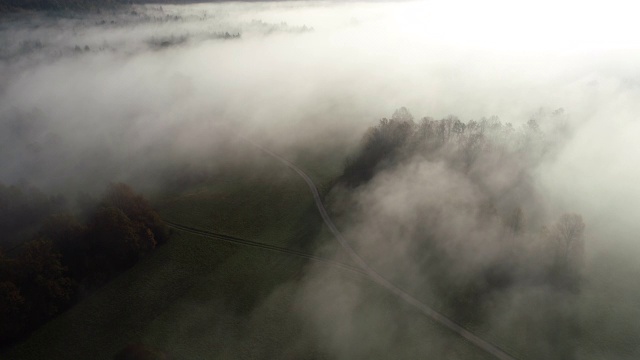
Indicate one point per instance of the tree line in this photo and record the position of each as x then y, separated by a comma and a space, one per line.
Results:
530, 253
57, 5
65, 256
82, 5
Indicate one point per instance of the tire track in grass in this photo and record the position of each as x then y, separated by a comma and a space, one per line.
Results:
235, 240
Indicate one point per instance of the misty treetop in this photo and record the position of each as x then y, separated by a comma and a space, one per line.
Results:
462, 144
460, 198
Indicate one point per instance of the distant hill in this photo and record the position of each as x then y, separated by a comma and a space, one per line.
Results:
55, 5
7, 6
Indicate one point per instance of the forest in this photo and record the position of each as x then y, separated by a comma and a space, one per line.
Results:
53, 257
232, 180
56, 257
502, 216
8, 6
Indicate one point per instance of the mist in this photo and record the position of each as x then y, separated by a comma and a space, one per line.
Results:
138, 95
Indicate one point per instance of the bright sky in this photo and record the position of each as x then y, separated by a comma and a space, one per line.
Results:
532, 25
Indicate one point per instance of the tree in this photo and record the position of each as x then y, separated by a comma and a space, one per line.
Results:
568, 235
566, 238
402, 115
116, 241
12, 303
515, 221
136, 207
42, 280
381, 143
33, 288
69, 237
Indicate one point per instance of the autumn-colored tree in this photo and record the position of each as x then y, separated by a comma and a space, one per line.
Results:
42, 280
69, 237
43, 275
12, 303
33, 288
12, 314
116, 242
137, 208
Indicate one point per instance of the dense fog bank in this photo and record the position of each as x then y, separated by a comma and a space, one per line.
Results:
151, 94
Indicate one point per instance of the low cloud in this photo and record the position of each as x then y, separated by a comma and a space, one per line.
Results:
140, 95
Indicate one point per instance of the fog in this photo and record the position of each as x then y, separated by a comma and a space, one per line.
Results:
86, 99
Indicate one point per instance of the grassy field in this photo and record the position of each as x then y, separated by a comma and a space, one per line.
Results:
271, 204
198, 298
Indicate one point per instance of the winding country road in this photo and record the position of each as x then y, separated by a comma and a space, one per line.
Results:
375, 276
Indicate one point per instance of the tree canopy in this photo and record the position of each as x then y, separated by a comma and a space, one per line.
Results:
68, 256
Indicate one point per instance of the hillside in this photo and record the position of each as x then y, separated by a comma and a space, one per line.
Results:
194, 296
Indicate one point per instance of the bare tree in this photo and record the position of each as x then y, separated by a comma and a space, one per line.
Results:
566, 237
567, 233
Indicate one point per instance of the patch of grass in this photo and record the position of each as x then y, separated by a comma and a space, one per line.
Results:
197, 298
270, 204
108, 319
147, 302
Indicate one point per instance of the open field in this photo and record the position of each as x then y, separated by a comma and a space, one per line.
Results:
197, 298
476, 166
200, 298
273, 205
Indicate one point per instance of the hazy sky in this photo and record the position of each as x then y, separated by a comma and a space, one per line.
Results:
128, 105
362, 61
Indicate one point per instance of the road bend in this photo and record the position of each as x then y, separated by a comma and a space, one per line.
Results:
376, 277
